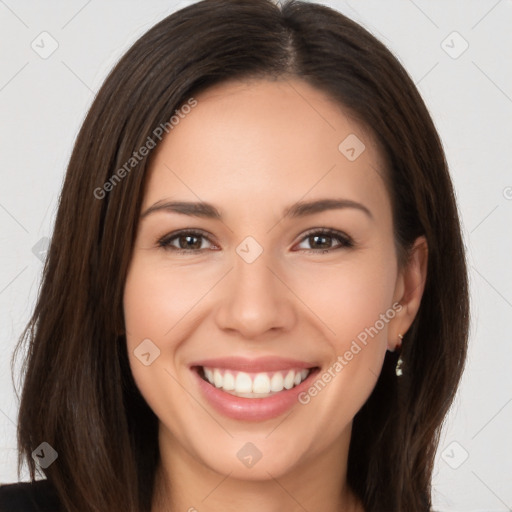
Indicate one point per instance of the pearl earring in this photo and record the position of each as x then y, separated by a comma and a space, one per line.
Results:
399, 364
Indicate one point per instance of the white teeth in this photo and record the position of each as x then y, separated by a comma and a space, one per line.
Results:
243, 383
288, 380
277, 382
229, 382
209, 374
217, 378
254, 385
261, 383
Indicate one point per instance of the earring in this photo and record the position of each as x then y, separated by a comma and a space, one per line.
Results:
399, 344
399, 364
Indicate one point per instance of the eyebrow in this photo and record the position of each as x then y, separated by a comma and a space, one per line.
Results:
299, 209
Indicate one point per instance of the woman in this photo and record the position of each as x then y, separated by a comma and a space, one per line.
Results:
256, 293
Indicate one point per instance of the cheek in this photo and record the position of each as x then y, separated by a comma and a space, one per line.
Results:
152, 307
354, 303
348, 298
157, 298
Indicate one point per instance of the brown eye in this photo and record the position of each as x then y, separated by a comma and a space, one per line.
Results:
184, 241
322, 240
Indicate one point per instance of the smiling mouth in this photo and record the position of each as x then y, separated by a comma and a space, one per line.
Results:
253, 385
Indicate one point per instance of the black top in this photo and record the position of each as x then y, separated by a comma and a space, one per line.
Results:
38, 496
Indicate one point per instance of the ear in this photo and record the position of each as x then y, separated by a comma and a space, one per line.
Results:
409, 288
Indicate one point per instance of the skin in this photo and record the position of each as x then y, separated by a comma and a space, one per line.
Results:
252, 149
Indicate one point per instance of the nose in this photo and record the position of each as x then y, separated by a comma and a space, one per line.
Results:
255, 299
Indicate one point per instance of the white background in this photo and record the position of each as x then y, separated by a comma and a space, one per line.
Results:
43, 102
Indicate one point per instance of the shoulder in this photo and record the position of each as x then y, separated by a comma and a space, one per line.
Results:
37, 496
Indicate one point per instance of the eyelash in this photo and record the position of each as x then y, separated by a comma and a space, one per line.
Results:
345, 241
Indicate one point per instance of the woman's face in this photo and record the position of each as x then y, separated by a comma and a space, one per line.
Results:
262, 298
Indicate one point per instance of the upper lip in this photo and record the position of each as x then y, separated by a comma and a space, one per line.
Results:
260, 364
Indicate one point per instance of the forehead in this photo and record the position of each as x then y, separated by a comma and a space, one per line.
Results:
272, 141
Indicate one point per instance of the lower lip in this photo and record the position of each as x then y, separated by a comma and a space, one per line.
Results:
252, 409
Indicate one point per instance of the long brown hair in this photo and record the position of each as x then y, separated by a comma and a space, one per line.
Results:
78, 393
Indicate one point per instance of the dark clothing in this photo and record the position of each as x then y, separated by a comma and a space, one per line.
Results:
38, 496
